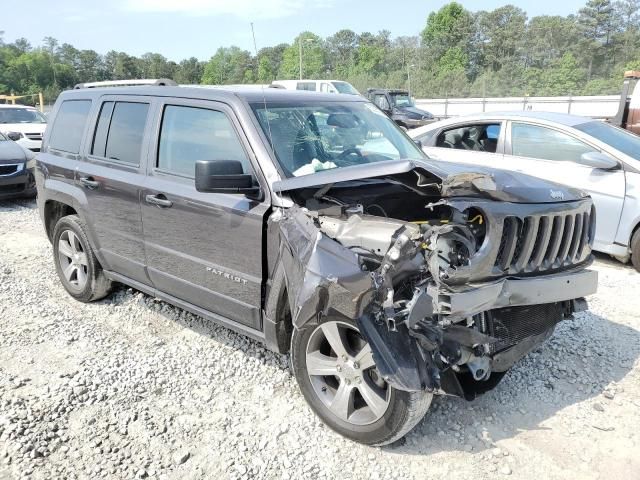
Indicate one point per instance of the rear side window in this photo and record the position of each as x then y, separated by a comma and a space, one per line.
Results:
479, 138
189, 134
120, 130
69, 124
310, 86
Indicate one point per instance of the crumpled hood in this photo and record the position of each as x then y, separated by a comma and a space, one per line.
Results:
11, 152
453, 180
413, 111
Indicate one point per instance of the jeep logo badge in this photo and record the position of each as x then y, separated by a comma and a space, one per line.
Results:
556, 194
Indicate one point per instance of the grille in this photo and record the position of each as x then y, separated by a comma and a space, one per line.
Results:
34, 136
8, 169
544, 242
513, 324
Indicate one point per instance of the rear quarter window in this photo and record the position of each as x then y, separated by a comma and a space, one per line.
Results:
69, 125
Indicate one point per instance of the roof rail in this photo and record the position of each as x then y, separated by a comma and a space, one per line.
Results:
125, 83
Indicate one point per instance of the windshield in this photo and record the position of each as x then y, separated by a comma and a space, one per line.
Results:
402, 100
21, 115
344, 87
310, 137
620, 139
2, 137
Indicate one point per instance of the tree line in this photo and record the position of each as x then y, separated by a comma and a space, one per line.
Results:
459, 53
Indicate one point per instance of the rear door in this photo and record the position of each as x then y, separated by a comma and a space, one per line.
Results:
203, 248
112, 177
554, 154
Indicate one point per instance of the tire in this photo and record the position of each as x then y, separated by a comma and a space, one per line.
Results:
375, 413
76, 264
635, 250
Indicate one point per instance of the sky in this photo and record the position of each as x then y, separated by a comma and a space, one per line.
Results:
180, 29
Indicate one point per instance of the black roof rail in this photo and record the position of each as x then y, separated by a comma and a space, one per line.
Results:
164, 82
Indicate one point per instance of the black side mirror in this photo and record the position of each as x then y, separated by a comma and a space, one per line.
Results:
418, 143
223, 176
15, 136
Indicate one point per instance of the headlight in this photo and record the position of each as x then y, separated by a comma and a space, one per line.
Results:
15, 136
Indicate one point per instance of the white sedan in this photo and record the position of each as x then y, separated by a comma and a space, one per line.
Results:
580, 152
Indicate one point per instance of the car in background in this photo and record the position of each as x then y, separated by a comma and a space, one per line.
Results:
594, 156
25, 125
325, 86
399, 105
16, 170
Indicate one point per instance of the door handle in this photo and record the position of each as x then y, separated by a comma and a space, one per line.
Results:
89, 182
159, 200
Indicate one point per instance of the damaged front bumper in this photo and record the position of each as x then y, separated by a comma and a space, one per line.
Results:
507, 292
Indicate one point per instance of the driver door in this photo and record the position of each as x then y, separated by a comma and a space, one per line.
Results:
202, 248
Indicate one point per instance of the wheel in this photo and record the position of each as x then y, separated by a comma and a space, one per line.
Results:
334, 367
635, 250
77, 267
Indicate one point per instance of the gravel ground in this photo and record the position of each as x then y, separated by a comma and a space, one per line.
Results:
131, 387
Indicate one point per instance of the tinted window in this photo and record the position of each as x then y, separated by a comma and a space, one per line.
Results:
68, 128
619, 139
102, 129
124, 140
21, 115
540, 142
189, 134
480, 138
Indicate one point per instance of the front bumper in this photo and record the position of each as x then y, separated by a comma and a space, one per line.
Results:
472, 299
17, 184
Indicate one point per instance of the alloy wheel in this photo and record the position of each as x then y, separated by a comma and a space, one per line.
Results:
73, 260
343, 374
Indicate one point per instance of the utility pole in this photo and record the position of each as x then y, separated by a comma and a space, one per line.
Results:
300, 47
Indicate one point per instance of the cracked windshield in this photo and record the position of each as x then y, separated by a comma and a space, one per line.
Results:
309, 138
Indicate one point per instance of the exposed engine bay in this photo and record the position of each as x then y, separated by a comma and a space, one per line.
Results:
448, 294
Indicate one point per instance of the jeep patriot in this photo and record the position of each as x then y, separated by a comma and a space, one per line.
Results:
312, 223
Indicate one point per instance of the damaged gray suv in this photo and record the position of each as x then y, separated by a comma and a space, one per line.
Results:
313, 224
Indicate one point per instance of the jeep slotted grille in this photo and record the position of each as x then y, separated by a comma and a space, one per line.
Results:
545, 242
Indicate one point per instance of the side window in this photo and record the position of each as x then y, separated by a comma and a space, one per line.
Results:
381, 101
125, 132
480, 138
189, 134
310, 86
66, 134
545, 143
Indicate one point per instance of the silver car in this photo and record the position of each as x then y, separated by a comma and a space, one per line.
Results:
580, 152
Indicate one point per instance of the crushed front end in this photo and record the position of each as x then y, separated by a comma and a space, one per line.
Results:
449, 281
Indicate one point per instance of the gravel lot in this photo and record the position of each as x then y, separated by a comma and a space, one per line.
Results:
131, 387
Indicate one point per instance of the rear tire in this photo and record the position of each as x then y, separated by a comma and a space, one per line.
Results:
635, 250
344, 389
76, 264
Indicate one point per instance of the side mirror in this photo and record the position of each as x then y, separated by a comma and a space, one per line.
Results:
418, 143
223, 176
598, 160
15, 136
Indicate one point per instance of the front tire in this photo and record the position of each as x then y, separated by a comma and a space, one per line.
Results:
334, 367
635, 250
76, 264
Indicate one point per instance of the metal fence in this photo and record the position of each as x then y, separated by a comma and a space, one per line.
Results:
603, 107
